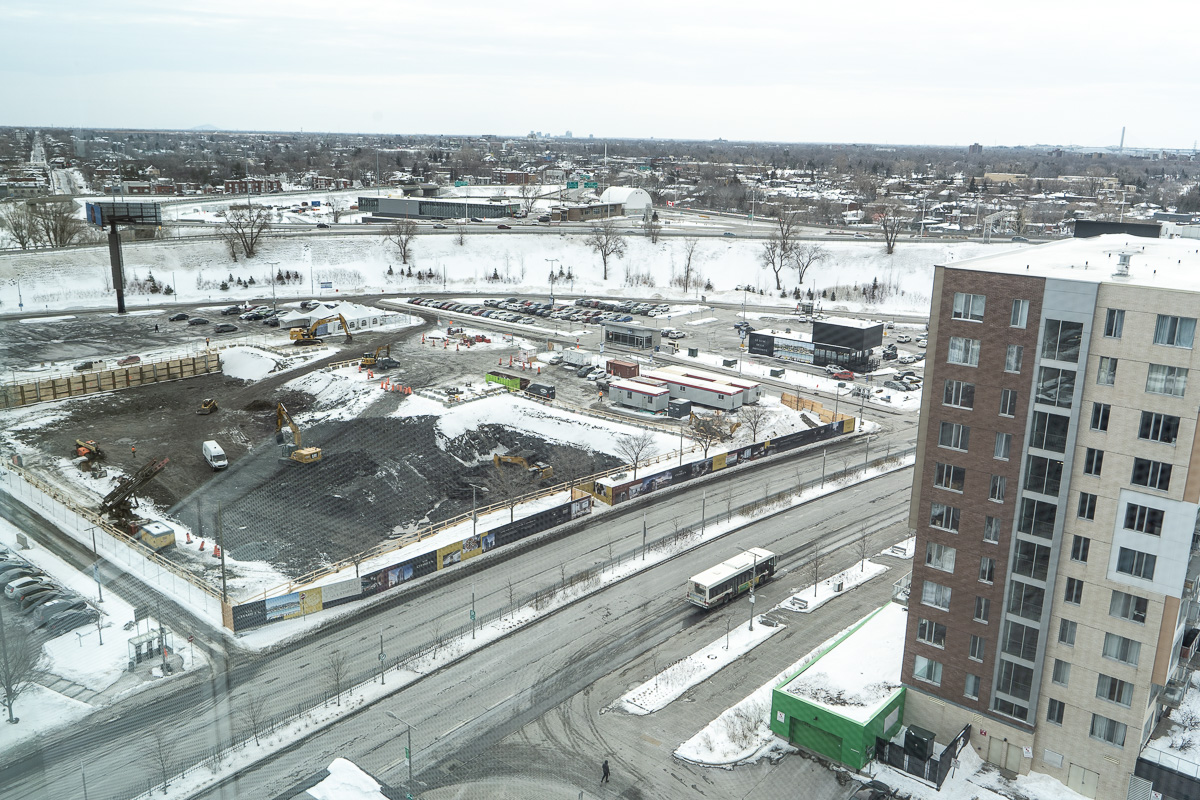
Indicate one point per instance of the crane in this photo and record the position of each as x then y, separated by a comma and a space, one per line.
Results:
120, 502
309, 335
303, 455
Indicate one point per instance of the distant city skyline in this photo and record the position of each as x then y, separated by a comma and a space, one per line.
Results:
784, 73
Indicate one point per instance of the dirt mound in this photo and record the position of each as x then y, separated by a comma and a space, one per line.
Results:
259, 405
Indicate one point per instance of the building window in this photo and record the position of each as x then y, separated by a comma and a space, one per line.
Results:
950, 477
1014, 679
944, 517
927, 670
959, 394
1108, 730
1043, 475
1093, 462
1074, 593
977, 648
1143, 519
1026, 600
1061, 340
1020, 314
1158, 427
1066, 632
1113, 690
1003, 446
1100, 413
1008, 402
939, 556
991, 529
1054, 711
1127, 606
1031, 560
1021, 640
971, 687
1114, 323
1087, 505
1055, 387
964, 351
931, 633
1118, 648
954, 436
968, 306
1012, 358
983, 609
1135, 563
1151, 474
936, 595
1037, 518
1079, 548
997, 489
1009, 708
1174, 331
1062, 672
1162, 379
1049, 431
1106, 373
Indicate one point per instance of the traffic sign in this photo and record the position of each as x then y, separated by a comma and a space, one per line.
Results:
589, 184
572, 184
382, 656
472, 615
191, 638
326, 284
460, 183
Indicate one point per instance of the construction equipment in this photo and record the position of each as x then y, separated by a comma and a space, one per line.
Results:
372, 359
309, 335
119, 504
88, 449
526, 460
303, 455
207, 407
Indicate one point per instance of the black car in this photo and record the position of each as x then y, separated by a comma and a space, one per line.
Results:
505, 227
180, 317
70, 620
544, 218
225, 327
225, 312
322, 225
32, 602
54, 607
476, 219
197, 321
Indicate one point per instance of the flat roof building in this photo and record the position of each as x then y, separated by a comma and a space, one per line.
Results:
437, 207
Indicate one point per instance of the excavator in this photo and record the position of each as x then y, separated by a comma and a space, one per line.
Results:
374, 360
526, 460
303, 455
88, 449
303, 336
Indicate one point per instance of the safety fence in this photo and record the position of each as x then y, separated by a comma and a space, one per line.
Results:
72, 384
443, 645
933, 769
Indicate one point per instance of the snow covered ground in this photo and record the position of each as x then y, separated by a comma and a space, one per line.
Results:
810, 598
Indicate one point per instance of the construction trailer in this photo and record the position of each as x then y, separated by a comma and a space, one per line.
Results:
640, 393
700, 391
752, 391
509, 380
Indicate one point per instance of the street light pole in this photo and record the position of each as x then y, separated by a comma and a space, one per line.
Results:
407, 750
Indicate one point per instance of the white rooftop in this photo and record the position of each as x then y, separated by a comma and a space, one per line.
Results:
850, 322
1157, 263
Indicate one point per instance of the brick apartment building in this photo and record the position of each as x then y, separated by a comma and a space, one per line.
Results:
253, 186
1055, 502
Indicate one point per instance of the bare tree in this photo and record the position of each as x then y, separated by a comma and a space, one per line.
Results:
818, 560
401, 233
777, 250
21, 664
56, 221
335, 209
244, 226
528, 194
335, 671
804, 255
863, 544
162, 755
253, 709
636, 448
690, 260
754, 417
707, 430
460, 235
18, 221
653, 228
890, 221
606, 239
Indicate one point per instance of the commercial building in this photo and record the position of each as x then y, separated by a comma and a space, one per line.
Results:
586, 212
637, 336
843, 341
437, 207
1055, 505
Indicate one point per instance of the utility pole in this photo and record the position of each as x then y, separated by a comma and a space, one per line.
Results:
472, 612
407, 750
381, 655
221, 544
643, 536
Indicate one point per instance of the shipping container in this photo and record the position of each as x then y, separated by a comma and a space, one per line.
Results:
622, 369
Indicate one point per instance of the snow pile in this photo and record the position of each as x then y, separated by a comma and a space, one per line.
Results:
248, 363
36, 320
341, 394
676, 679
811, 598
1181, 741
346, 782
858, 676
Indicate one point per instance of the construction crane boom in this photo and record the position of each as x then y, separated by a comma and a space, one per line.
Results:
120, 502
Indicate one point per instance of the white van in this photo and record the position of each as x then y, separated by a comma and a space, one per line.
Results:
215, 456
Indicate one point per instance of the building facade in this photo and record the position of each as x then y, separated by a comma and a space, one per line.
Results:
1055, 504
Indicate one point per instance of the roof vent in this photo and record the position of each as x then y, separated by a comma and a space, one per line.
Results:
1122, 270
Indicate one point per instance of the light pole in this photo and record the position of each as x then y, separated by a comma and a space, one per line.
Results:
552, 262
407, 750
272, 264
753, 580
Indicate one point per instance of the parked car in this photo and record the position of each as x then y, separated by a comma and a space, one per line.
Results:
596, 374
922, 342
127, 360
180, 317
907, 358
225, 312
70, 620
43, 614
896, 386
229, 327
903, 337
197, 321
583, 371
35, 600
833, 369
16, 568
16, 589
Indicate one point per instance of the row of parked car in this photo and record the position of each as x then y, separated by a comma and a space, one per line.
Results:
627, 307
50, 607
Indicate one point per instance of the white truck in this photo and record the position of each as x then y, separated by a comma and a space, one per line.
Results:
214, 455
577, 358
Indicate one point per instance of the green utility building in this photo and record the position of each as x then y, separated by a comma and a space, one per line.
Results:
839, 703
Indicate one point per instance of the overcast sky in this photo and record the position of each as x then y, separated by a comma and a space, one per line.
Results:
1001, 73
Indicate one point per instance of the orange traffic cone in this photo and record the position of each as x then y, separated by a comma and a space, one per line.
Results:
539, 370
500, 361
422, 338
189, 538
360, 366
456, 348
216, 551
201, 545
371, 374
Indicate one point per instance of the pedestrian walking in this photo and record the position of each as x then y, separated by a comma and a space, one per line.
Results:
156, 327
133, 450
604, 771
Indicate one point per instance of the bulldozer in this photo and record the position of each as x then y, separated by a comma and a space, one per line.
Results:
526, 460
300, 454
308, 335
207, 407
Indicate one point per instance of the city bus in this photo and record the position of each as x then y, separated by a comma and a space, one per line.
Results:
720, 584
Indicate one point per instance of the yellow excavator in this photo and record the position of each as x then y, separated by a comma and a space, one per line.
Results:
303, 336
372, 359
526, 460
303, 455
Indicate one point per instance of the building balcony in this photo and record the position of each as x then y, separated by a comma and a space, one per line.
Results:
901, 589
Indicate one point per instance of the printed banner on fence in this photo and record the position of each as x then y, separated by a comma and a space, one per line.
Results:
450, 554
